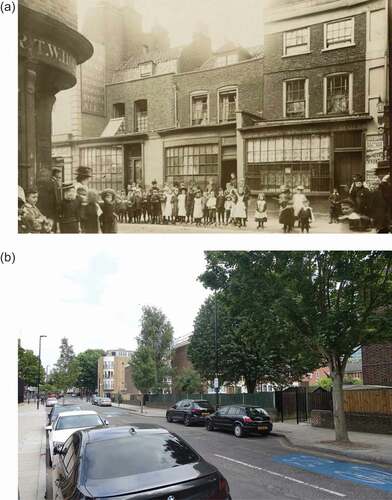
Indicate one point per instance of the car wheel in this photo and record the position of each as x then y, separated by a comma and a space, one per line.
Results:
187, 420
169, 419
238, 431
210, 426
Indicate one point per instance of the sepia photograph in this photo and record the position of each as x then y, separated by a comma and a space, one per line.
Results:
208, 116
262, 375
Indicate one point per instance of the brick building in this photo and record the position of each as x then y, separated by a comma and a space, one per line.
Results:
111, 378
180, 360
377, 364
324, 75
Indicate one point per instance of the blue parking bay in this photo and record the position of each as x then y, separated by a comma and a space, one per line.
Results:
367, 475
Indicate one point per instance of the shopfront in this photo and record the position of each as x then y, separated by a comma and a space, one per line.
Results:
50, 48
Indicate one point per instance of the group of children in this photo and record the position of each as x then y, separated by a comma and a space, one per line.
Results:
294, 208
179, 204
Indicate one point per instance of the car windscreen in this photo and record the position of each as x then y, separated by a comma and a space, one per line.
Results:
58, 409
203, 405
77, 421
105, 399
255, 412
136, 454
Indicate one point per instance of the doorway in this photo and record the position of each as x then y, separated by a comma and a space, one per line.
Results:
228, 167
347, 165
133, 164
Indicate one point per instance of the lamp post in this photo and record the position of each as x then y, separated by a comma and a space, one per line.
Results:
39, 368
216, 380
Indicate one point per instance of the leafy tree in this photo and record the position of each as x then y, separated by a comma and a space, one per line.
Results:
188, 381
143, 370
66, 370
157, 335
28, 367
87, 363
325, 383
330, 302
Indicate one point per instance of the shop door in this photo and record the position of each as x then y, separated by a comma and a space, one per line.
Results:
346, 166
228, 167
135, 171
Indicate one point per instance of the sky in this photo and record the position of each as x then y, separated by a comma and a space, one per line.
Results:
93, 295
236, 20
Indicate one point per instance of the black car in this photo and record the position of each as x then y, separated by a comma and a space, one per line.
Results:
134, 462
240, 419
56, 409
189, 411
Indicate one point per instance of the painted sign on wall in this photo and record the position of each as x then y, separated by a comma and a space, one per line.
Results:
93, 82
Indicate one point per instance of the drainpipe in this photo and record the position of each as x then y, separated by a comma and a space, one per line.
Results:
175, 105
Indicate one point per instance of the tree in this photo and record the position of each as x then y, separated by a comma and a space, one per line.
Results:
87, 363
157, 335
28, 367
332, 302
66, 370
143, 370
325, 383
188, 381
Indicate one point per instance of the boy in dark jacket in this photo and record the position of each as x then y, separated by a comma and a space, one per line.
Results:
69, 216
220, 207
335, 208
108, 218
305, 217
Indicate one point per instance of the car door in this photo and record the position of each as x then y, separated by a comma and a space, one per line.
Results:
231, 417
219, 417
186, 408
66, 470
177, 411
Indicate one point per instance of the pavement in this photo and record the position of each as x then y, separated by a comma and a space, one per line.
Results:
366, 446
320, 226
32, 451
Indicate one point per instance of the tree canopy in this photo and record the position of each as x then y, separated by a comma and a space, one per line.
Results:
87, 365
28, 367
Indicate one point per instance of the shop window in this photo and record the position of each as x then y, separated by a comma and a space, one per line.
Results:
192, 164
141, 116
199, 109
107, 165
296, 98
296, 42
118, 110
227, 106
339, 33
338, 93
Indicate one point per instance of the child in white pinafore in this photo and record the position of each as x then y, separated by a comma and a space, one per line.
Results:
181, 205
168, 206
261, 211
239, 209
198, 209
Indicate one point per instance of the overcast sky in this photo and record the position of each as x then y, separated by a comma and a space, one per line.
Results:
236, 20
93, 294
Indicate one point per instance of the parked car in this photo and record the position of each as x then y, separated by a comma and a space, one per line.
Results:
104, 402
94, 400
57, 409
51, 402
240, 419
67, 423
137, 461
190, 411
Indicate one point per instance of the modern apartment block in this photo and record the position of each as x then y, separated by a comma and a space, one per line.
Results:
111, 372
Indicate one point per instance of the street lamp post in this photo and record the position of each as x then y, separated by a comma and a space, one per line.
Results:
39, 368
216, 381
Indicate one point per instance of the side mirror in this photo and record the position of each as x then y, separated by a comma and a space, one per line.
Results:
106, 422
58, 450
48, 428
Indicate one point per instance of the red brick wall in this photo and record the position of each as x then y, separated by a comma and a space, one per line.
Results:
377, 364
180, 360
159, 93
313, 66
247, 76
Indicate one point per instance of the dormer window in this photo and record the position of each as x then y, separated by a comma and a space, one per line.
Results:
226, 59
146, 69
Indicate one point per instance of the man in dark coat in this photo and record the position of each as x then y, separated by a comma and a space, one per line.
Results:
50, 197
360, 196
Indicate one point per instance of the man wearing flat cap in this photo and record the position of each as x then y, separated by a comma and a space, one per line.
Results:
50, 197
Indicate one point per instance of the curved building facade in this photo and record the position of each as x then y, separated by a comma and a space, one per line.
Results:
50, 49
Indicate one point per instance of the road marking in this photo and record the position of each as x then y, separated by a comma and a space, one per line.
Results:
288, 478
380, 479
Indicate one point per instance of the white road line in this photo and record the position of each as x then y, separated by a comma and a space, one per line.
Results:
281, 475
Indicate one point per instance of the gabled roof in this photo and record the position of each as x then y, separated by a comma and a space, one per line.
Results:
246, 53
156, 56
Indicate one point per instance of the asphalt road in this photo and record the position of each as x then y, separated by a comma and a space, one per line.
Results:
265, 468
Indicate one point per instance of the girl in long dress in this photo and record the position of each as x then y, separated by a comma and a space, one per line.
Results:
182, 205
198, 209
261, 211
240, 209
168, 207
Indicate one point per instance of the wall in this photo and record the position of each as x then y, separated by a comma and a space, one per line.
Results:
61, 10
180, 361
377, 364
153, 160
159, 93
247, 76
358, 422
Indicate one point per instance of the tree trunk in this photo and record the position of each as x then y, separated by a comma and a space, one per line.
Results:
142, 404
250, 385
339, 416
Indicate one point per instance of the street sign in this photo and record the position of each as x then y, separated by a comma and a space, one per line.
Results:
216, 383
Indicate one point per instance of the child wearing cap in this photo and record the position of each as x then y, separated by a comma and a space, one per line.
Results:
69, 216
108, 217
305, 217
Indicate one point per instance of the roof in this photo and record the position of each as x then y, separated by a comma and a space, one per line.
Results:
106, 433
156, 56
254, 52
353, 367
